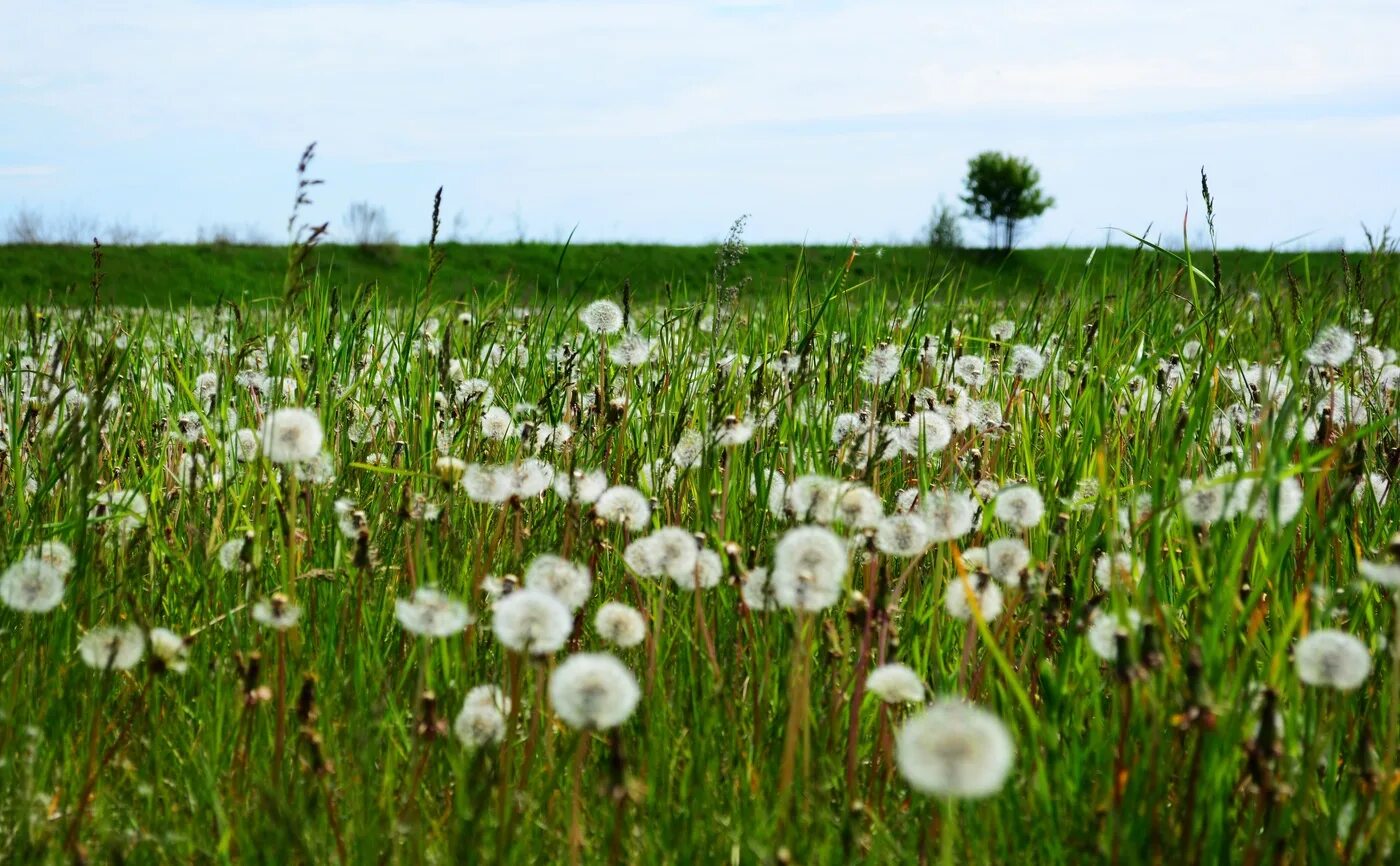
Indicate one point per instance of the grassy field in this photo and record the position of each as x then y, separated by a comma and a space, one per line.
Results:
1139, 522
170, 274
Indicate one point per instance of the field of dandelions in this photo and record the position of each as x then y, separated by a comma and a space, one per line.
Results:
824, 572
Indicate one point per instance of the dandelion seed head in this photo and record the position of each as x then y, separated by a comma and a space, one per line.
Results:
733, 432
1007, 558
530, 621
479, 724
496, 424
291, 435
32, 585
1021, 506
1204, 502
902, 535
1102, 633
124, 509
705, 574
630, 350
602, 317
689, 450
277, 612
169, 651
1002, 330
757, 590
567, 581
953, 749
1332, 659
1386, 574
950, 514
431, 613
859, 507
971, 370
620, 625
593, 691
1024, 363
583, 487
986, 594
529, 478
55, 554
881, 365
1121, 568
318, 471
895, 684
244, 445
624, 506
809, 568
230, 556
929, 433
117, 647
486, 484
450, 469
1332, 347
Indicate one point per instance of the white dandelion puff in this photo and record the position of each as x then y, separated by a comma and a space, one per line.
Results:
1333, 659
985, 591
1120, 568
55, 554
231, 557
580, 486
593, 691
705, 574
496, 424
450, 470
432, 613
479, 723
809, 568
278, 612
601, 317
531, 621
1385, 574
124, 509
567, 581
953, 749
1007, 559
895, 684
757, 591
620, 624
1102, 633
291, 435
950, 514
881, 365
630, 350
1204, 502
244, 445
169, 651
117, 648
624, 506
31, 585
1024, 362
902, 535
859, 507
1021, 506
1332, 347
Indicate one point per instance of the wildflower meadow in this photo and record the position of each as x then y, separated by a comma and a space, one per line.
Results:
822, 569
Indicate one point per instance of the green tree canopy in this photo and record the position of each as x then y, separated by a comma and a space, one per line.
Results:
1003, 190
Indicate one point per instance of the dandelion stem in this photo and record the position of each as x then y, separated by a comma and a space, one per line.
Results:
576, 808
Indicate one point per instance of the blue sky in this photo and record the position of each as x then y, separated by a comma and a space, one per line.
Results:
663, 121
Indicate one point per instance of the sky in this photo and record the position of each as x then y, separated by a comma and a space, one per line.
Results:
823, 121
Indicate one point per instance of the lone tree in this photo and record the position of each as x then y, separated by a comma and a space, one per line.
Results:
1003, 190
368, 226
